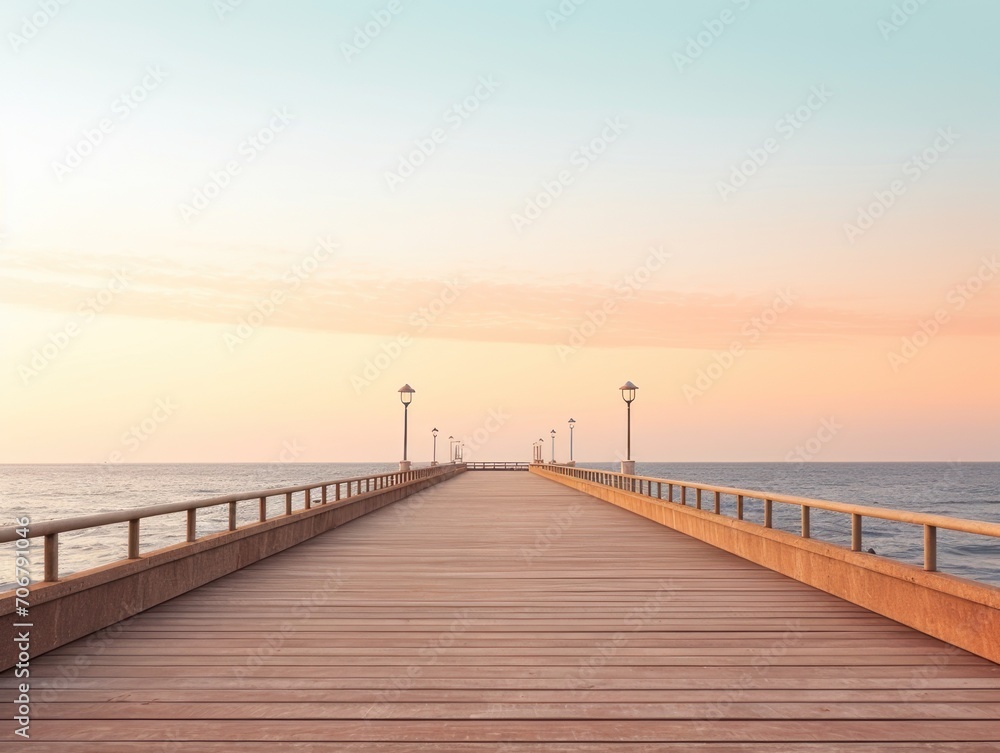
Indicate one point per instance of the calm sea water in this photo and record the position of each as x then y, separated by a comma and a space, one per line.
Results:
967, 490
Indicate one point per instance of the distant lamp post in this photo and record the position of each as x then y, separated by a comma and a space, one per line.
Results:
628, 395
451, 448
434, 457
572, 423
461, 452
553, 434
405, 397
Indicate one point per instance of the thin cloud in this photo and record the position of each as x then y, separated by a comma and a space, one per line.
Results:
363, 301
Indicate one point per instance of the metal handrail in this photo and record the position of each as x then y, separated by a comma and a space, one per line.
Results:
643, 485
50, 529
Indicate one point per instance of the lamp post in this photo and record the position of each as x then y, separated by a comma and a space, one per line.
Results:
434, 457
553, 434
628, 395
534, 452
451, 448
461, 452
572, 423
405, 397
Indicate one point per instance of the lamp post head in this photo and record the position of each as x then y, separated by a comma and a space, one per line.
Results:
434, 432
406, 394
553, 432
572, 423
628, 392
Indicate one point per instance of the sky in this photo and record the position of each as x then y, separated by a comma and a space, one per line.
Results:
230, 231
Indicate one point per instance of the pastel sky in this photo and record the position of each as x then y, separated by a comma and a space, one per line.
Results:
234, 228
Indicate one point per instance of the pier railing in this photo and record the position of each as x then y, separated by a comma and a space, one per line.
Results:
312, 495
960, 611
709, 498
497, 466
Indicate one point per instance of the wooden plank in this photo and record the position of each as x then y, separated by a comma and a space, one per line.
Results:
540, 711
514, 747
629, 695
448, 731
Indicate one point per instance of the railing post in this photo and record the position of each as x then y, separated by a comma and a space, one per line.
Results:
768, 510
805, 522
930, 548
263, 509
718, 503
684, 495
855, 532
697, 498
336, 492
308, 498
323, 495
288, 503
659, 490
232, 516
192, 524
51, 557
670, 492
739, 507
133, 539
349, 484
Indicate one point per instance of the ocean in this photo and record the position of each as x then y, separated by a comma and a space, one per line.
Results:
963, 490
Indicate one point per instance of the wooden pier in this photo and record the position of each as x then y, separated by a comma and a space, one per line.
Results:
507, 612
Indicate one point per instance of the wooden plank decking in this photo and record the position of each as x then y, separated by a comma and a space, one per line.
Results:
503, 612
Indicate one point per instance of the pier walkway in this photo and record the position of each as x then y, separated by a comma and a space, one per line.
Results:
506, 612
